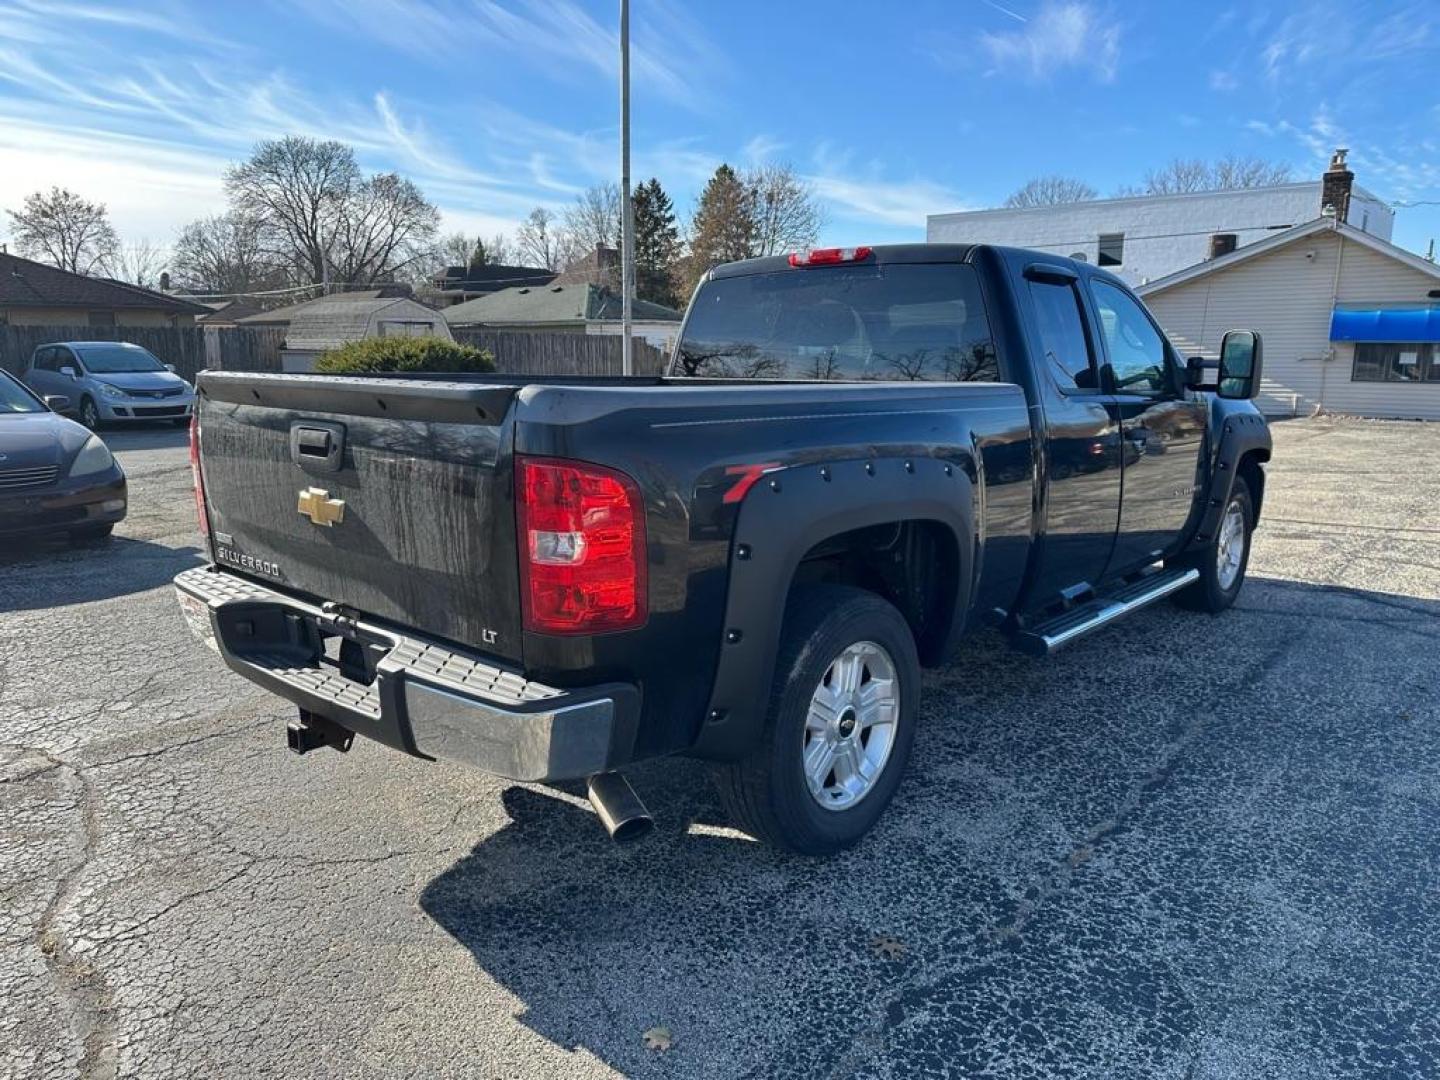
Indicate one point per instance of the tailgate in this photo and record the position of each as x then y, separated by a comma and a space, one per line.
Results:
383, 495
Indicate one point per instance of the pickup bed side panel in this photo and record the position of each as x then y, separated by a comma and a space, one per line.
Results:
682, 442
784, 517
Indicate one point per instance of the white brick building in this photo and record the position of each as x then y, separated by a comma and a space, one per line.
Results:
1155, 235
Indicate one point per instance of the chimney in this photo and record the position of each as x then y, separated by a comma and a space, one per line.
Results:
1335, 187
1222, 243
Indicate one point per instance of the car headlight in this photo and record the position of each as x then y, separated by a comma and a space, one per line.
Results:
94, 457
112, 391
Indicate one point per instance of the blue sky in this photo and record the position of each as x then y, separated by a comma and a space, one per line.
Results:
891, 111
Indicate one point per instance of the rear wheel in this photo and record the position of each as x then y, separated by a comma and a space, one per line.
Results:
89, 413
1222, 562
839, 729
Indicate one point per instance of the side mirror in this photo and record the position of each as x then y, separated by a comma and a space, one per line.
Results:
68, 370
57, 402
170, 368
1195, 368
1240, 365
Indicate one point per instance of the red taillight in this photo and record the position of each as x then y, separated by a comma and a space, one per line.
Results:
581, 530
200, 512
829, 256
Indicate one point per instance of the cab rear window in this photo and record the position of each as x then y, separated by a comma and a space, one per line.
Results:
886, 321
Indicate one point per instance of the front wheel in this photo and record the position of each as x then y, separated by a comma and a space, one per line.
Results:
1222, 561
89, 413
839, 728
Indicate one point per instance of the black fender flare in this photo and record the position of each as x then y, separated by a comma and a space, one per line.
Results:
781, 518
1239, 435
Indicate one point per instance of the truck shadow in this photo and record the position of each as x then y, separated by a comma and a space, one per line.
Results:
1025, 825
46, 572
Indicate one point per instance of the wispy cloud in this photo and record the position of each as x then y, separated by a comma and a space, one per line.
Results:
867, 192
1328, 33
669, 53
1061, 36
1223, 81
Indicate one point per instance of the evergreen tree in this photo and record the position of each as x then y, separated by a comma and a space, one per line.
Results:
657, 244
479, 257
723, 228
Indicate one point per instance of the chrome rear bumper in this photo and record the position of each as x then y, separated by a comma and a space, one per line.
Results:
415, 695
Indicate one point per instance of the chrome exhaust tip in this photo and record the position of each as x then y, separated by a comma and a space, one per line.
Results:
621, 811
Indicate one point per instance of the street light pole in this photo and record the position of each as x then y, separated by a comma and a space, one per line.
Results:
627, 214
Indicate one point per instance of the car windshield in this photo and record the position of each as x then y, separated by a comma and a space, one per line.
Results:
891, 321
14, 398
113, 359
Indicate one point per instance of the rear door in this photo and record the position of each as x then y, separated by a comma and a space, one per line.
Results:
1082, 439
1162, 428
390, 497
42, 377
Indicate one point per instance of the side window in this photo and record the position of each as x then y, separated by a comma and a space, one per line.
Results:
1137, 351
1062, 335
62, 357
41, 360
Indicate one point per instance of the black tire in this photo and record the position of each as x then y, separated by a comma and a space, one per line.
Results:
766, 793
91, 534
89, 413
1208, 594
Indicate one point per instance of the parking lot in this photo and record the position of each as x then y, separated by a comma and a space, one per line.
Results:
1188, 847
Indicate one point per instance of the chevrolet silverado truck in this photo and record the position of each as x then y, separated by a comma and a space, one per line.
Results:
856, 456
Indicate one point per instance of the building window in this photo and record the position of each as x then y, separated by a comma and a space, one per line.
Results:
1112, 249
1412, 362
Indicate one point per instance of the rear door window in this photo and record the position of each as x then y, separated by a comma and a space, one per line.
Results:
1063, 340
885, 321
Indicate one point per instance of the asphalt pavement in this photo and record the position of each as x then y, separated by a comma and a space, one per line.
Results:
1187, 847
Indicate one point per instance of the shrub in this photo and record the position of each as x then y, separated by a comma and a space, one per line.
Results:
403, 354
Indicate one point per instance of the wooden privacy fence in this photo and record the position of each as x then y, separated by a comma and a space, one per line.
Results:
521, 353
189, 348
229, 348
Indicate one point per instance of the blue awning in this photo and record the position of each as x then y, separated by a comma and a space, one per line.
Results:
1386, 324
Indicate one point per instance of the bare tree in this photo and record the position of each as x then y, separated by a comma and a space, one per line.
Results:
1051, 191
225, 255
497, 249
293, 189
455, 250
139, 263
65, 230
539, 242
1228, 174
1233, 172
381, 229
784, 212
594, 220
315, 210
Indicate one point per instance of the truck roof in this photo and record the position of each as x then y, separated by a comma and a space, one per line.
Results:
907, 253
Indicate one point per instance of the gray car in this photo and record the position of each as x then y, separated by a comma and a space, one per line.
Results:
110, 381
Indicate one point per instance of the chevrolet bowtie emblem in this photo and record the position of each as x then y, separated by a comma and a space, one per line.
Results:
316, 504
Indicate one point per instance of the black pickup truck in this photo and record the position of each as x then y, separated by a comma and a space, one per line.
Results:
857, 456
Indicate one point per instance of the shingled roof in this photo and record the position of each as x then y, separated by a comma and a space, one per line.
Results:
552, 304
25, 283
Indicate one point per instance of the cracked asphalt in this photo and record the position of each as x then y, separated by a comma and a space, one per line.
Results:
1188, 847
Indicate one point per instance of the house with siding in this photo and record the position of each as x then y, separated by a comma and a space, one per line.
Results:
36, 294
567, 309
1350, 322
